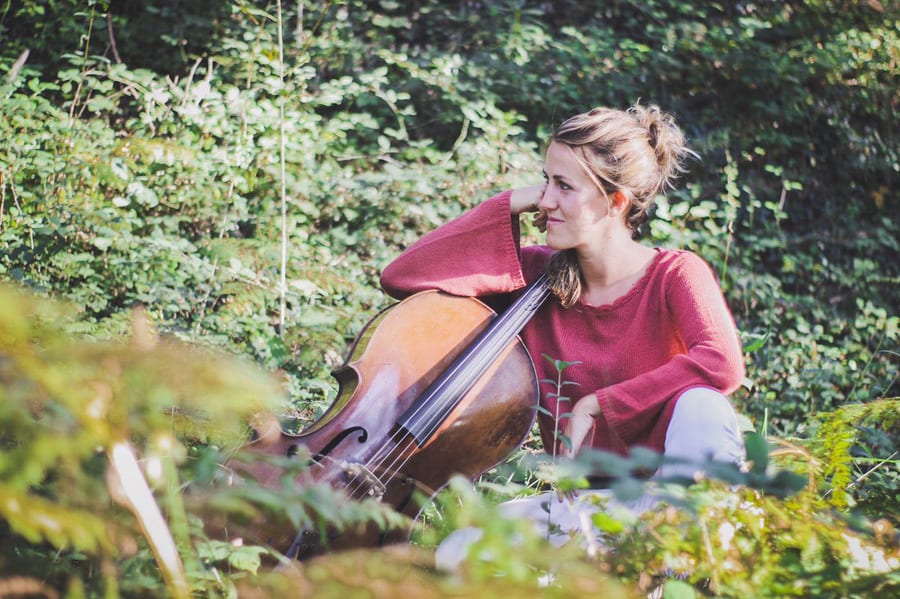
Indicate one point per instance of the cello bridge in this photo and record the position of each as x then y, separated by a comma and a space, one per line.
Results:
359, 473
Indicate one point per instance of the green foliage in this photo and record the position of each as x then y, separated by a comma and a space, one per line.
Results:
739, 544
562, 402
71, 409
69, 406
140, 151
165, 190
772, 535
838, 442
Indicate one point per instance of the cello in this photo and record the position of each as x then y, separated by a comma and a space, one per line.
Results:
434, 386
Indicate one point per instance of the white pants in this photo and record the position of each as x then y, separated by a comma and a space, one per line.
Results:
703, 426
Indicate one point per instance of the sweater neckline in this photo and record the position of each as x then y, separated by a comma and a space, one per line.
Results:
633, 291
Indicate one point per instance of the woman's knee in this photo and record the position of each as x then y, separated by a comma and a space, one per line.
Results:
703, 405
704, 426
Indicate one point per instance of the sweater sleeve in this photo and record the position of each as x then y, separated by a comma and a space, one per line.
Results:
476, 254
713, 356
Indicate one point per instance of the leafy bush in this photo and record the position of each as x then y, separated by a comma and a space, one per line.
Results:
141, 165
75, 414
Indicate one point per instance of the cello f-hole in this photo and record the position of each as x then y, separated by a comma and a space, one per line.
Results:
338, 438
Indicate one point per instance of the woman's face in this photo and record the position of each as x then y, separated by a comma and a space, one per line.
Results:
577, 210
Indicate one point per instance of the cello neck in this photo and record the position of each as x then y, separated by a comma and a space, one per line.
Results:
433, 407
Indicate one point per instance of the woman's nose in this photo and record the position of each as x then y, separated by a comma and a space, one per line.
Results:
547, 201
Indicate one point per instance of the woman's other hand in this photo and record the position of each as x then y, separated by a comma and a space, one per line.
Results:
579, 424
526, 199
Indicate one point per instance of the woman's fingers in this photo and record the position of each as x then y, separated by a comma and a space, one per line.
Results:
526, 199
577, 429
580, 422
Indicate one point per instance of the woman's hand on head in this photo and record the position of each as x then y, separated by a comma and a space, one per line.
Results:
526, 199
580, 423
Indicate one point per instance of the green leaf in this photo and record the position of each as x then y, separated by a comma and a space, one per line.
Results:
757, 449
607, 523
627, 489
247, 558
102, 243
676, 589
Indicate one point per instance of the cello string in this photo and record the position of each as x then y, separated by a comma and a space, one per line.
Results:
486, 354
487, 347
450, 382
482, 354
431, 415
436, 418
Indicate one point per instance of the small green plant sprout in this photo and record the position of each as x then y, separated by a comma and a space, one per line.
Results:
560, 366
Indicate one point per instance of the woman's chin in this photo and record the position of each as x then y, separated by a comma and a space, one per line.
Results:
555, 243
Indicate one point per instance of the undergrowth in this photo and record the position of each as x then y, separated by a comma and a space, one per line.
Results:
141, 194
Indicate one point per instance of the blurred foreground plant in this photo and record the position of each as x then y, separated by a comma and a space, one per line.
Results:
90, 428
766, 531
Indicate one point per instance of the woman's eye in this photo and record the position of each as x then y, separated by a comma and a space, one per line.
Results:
564, 186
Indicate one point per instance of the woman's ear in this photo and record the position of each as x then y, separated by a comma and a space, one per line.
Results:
620, 200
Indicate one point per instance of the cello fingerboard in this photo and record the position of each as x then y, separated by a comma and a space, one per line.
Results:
437, 402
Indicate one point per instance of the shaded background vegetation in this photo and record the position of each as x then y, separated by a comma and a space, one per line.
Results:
140, 165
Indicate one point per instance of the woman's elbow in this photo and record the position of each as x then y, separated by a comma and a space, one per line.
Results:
732, 373
723, 368
390, 283
399, 281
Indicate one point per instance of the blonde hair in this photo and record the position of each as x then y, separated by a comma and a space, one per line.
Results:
639, 152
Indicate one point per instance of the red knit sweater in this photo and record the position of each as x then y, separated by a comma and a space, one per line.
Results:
670, 332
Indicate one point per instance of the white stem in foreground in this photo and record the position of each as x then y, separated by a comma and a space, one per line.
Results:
136, 495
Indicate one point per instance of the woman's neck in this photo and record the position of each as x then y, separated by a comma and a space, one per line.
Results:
611, 270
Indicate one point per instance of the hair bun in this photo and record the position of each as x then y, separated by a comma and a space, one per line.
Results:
665, 138
652, 130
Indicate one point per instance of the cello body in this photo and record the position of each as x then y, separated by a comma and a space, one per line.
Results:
370, 442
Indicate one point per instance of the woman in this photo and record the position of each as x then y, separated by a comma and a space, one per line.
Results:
653, 344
